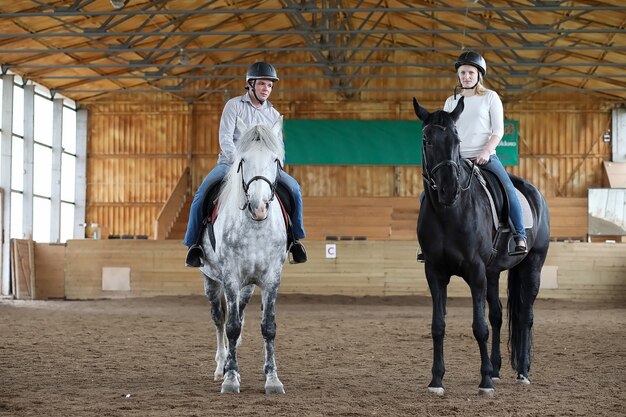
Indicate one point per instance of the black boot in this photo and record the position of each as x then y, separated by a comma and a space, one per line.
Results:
195, 255
419, 255
298, 253
520, 247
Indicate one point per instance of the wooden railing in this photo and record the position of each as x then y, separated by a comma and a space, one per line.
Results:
170, 210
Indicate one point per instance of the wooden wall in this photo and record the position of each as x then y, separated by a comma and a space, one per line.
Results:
574, 271
137, 151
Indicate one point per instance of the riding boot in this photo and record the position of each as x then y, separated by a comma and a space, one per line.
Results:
520, 246
195, 255
298, 253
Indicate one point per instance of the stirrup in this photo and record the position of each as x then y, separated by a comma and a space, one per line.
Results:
519, 249
298, 253
420, 256
195, 255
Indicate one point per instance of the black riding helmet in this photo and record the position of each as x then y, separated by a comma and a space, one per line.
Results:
257, 71
261, 70
474, 59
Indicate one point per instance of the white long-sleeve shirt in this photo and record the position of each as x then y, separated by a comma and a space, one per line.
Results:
229, 130
482, 117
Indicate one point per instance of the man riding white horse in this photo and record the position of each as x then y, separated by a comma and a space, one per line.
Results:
252, 108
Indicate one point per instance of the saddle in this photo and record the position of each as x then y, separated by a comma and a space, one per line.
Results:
209, 210
499, 200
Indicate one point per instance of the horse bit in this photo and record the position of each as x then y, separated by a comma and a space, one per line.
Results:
428, 174
246, 185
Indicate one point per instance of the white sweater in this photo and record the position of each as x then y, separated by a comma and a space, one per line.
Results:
482, 117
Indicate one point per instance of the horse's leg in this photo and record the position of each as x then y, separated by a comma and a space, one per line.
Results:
524, 280
438, 290
495, 318
213, 291
244, 298
478, 287
268, 329
232, 379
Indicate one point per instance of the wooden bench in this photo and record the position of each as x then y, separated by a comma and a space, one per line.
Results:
374, 218
395, 218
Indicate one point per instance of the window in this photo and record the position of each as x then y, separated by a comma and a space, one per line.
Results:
68, 177
43, 120
18, 111
43, 164
69, 130
41, 219
17, 164
43, 168
16, 221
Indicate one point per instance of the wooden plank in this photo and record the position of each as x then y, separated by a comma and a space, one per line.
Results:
616, 174
49, 272
22, 257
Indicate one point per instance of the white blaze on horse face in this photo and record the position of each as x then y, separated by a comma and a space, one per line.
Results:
258, 207
260, 192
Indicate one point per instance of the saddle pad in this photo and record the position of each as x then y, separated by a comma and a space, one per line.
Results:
527, 216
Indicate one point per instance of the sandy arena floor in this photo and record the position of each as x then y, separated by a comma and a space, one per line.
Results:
337, 356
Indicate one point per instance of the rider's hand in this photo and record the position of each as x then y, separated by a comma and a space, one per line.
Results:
483, 157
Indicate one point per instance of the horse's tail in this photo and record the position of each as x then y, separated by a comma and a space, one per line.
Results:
523, 286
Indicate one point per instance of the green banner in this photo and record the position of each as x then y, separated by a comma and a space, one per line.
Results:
508, 148
369, 142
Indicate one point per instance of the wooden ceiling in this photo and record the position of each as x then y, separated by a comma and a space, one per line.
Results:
193, 50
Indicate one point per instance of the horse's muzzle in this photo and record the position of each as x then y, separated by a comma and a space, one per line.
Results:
260, 212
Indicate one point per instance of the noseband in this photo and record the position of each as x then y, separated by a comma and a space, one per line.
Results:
246, 185
428, 174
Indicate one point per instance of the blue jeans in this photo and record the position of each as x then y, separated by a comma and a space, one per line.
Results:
216, 175
515, 209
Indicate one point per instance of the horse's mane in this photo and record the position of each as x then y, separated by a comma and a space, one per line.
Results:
259, 137
254, 141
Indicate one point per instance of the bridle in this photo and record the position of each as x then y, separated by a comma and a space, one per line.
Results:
428, 174
246, 185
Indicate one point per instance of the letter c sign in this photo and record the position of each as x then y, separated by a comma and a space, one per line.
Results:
331, 251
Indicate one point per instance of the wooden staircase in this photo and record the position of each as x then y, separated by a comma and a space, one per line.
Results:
177, 232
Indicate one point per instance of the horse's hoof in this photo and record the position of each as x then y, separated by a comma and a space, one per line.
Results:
486, 392
273, 385
218, 375
231, 383
522, 380
439, 391
495, 379
274, 388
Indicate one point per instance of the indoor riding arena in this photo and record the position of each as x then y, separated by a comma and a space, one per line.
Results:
110, 120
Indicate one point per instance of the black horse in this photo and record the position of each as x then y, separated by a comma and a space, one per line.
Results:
458, 236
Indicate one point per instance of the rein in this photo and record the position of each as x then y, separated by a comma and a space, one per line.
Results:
246, 185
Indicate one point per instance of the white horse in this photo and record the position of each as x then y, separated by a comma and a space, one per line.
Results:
250, 249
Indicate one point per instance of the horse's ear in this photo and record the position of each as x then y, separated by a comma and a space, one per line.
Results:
420, 112
458, 109
277, 129
243, 127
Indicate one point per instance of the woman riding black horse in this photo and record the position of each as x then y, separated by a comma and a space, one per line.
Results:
457, 235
